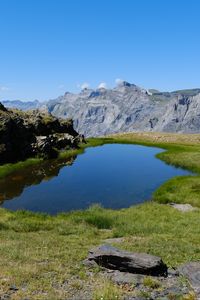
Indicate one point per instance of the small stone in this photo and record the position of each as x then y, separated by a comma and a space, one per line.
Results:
172, 272
13, 288
183, 207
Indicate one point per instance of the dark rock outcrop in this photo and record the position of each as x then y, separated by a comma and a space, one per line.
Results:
2, 108
124, 261
27, 134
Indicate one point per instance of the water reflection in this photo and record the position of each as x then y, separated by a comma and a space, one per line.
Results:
115, 176
13, 185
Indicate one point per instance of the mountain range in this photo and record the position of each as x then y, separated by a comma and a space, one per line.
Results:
23, 105
125, 108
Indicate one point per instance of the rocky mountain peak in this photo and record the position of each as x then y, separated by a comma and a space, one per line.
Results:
124, 86
125, 83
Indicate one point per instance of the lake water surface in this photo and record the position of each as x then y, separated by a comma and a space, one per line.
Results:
114, 175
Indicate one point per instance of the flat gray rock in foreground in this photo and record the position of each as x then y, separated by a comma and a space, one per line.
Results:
124, 261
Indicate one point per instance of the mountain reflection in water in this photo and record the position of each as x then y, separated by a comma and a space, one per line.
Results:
13, 185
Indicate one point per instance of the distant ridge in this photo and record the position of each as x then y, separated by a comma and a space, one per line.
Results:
23, 105
125, 108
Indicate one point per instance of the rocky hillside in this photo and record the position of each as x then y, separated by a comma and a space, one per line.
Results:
27, 134
127, 108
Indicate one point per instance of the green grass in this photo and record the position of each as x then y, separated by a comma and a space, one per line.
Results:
182, 189
107, 291
42, 254
151, 282
7, 169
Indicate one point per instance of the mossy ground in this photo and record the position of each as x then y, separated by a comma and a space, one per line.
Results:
42, 255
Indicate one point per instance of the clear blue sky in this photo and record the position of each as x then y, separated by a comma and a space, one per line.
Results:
52, 46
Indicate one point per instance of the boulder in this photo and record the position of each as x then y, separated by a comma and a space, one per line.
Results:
124, 261
191, 271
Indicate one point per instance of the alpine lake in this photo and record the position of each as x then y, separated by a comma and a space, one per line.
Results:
113, 175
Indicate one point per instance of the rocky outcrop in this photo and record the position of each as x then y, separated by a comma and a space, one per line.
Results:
27, 134
124, 261
2, 108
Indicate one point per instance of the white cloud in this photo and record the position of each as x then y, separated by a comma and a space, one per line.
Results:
118, 81
102, 85
4, 88
84, 85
